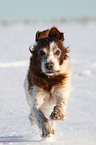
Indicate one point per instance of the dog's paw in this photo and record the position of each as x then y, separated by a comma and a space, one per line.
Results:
47, 132
57, 114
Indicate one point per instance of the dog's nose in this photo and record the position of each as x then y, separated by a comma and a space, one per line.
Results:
49, 66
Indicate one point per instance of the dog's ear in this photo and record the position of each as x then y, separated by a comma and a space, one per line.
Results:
55, 33
41, 35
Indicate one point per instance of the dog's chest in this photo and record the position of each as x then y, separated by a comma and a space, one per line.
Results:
49, 102
44, 82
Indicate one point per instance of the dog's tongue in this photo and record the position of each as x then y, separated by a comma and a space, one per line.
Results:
49, 74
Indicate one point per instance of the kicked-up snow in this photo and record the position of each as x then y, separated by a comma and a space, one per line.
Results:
80, 126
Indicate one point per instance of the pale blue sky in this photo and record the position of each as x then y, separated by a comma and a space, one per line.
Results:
46, 9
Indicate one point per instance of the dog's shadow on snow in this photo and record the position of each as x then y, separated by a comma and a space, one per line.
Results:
6, 139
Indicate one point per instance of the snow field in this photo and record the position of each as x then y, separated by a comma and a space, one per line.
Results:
80, 126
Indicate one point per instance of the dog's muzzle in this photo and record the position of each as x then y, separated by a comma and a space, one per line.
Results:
49, 67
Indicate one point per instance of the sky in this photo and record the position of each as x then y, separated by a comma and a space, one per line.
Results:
20, 10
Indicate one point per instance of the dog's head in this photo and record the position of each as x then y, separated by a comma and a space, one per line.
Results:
49, 51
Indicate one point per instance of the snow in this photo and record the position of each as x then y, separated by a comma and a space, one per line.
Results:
80, 126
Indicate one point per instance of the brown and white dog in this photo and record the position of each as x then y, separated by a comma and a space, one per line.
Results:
47, 83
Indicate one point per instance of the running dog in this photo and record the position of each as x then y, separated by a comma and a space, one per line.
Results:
48, 80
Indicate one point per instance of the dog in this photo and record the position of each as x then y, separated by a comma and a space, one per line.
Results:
48, 80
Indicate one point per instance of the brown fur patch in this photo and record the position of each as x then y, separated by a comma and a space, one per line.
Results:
41, 80
41, 35
53, 33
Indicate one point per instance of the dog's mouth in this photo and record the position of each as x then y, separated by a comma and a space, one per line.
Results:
51, 73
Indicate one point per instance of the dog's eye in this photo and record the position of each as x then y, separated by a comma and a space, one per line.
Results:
57, 52
42, 53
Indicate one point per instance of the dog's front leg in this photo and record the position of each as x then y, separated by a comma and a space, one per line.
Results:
42, 122
59, 111
39, 117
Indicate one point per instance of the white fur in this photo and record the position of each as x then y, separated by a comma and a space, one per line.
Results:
51, 58
43, 66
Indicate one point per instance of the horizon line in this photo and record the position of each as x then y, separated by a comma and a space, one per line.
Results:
60, 19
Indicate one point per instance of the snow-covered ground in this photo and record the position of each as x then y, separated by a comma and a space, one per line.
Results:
80, 126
